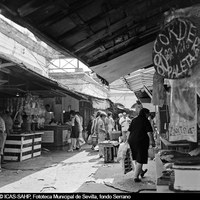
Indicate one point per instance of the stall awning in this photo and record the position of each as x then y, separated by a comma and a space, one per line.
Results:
125, 64
140, 79
97, 32
18, 80
100, 104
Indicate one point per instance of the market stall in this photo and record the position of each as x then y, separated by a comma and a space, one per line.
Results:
55, 136
176, 85
23, 140
23, 95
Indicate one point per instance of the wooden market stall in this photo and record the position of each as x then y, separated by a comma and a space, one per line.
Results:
23, 95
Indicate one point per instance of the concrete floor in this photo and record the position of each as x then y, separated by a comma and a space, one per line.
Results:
72, 172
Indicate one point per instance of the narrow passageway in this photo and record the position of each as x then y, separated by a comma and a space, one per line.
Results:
57, 172
74, 172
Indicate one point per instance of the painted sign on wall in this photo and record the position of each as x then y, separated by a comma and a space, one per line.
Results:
183, 121
176, 49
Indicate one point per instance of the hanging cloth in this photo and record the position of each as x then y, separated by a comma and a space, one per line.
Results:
159, 94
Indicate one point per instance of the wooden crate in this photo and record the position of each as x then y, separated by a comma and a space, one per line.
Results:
108, 154
19, 147
116, 147
108, 149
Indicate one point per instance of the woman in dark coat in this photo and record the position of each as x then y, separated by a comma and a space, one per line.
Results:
139, 139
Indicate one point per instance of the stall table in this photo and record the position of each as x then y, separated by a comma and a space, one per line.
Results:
110, 150
55, 136
183, 147
19, 147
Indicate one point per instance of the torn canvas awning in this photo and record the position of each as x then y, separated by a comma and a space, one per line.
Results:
125, 64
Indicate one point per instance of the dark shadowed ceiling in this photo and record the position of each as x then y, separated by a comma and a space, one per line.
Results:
94, 31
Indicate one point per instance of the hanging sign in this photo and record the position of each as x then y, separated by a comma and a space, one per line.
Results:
176, 49
183, 119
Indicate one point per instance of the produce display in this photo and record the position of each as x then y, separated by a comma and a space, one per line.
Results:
30, 106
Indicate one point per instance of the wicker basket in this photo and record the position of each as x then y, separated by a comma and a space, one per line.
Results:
114, 135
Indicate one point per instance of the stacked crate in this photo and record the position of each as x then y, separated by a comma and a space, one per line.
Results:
19, 147
116, 147
109, 154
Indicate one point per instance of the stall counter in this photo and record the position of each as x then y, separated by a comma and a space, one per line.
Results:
55, 136
19, 147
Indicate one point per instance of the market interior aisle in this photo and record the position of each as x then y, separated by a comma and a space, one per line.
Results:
66, 176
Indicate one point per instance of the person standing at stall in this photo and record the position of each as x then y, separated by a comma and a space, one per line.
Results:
8, 122
139, 140
3, 136
49, 115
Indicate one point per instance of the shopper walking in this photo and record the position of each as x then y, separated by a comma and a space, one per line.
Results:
81, 141
94, 129
118, 126
125, 123
89, 126
75, 130
109, 125
139, 139
101, 131
111, 122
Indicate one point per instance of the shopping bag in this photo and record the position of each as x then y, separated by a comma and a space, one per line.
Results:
121, 153
80, 139
69, 140
89, 140
127, 162
151, 153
